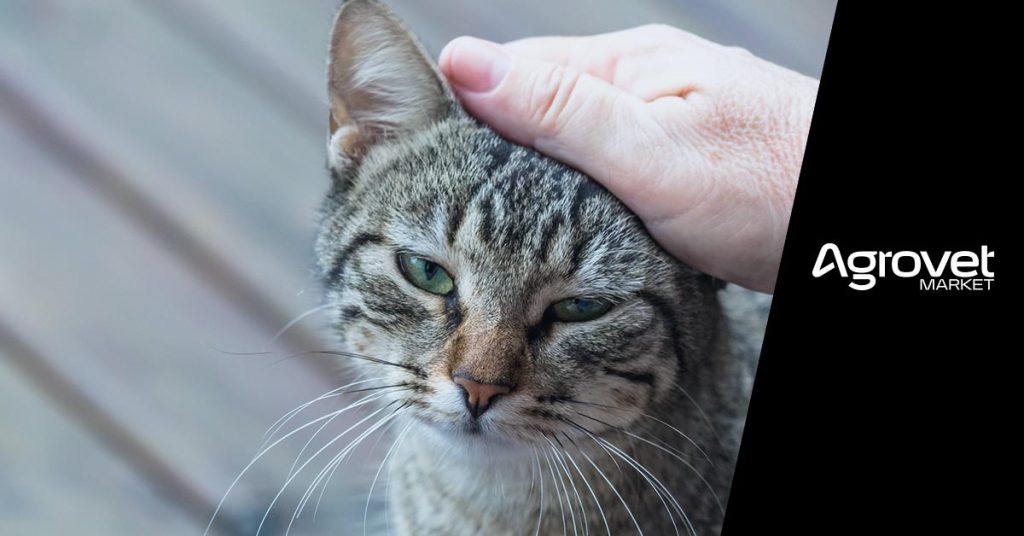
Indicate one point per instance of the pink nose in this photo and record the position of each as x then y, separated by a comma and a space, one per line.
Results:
479, 395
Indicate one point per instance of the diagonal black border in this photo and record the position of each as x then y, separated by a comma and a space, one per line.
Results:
893, 410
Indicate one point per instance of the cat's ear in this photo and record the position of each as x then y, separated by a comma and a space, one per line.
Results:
381, 82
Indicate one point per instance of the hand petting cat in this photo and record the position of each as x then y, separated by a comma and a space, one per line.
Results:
704, 142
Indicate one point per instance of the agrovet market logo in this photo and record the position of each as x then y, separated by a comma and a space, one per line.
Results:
949, 270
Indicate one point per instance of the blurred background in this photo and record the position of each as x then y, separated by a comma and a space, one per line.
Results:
161, 162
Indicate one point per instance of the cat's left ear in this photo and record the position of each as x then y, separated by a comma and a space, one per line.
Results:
381, 82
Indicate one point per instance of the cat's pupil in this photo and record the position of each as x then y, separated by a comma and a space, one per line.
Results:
429, 270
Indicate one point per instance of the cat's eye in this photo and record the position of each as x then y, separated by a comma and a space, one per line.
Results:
425, 274
580, 309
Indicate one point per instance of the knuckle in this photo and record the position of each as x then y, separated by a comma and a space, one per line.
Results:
553, 99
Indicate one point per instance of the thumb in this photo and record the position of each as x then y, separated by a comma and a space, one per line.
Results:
557, 109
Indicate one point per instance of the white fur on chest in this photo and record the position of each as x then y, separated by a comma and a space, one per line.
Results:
468, 488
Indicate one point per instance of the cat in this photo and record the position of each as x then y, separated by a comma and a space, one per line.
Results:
553, 370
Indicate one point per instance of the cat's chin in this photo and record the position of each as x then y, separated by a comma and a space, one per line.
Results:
475, 437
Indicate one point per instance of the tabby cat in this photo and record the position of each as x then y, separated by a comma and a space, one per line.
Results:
554, 371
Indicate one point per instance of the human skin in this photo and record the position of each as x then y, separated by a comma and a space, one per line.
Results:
703, 142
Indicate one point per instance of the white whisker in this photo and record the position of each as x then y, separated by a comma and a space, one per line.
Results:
684, 436
655, 484
579, 498
339, 462
324, 425
700, 410
369, 494
266, 514
287, 417
387, 492
597, 501
292, 323
336, 462
615, 491
261, 453
558, 493
300, 507
543, 505
675, 453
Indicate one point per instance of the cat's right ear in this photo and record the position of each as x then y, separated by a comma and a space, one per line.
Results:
381, 82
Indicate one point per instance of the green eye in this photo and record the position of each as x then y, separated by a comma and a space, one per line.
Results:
580, 309
425, 274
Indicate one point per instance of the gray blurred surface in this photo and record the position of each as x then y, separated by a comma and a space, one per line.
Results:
160, 165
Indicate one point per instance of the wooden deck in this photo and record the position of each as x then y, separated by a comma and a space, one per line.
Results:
160, 164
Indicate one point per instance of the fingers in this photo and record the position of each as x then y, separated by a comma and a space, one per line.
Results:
649, 62
597, 54
560, 110
594, 55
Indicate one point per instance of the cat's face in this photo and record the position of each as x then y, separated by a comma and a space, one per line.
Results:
512, 298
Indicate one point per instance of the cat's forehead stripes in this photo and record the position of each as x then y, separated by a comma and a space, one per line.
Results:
524, 205
469, 198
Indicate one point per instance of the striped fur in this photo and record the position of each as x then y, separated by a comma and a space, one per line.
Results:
654, 377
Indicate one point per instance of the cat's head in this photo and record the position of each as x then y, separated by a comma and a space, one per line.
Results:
512, 297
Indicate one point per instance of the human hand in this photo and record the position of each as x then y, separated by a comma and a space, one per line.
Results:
703, 142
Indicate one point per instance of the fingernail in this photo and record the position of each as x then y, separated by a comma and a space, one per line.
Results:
475, 65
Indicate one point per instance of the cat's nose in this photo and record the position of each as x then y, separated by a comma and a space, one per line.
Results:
479, 395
